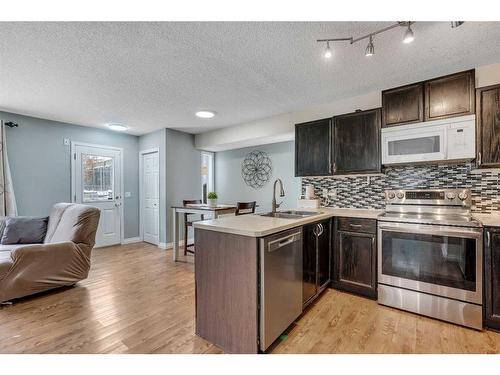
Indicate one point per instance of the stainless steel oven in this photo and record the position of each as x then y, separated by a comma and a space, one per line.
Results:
430, 255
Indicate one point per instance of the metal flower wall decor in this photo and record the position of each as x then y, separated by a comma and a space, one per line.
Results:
256, 169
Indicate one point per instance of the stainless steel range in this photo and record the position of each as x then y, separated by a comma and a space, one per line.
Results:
430, 255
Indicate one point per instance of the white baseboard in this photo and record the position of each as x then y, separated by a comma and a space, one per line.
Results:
131, 240
170, 245
164, 245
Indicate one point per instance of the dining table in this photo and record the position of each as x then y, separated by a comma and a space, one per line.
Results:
201, 209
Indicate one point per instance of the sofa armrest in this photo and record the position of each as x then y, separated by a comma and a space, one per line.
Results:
40, 251
5, 265
56, 264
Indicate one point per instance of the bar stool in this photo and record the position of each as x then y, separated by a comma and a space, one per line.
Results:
245, 208
188, 223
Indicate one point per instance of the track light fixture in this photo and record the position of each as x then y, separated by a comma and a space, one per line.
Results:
409, 36
370, 48
328, 51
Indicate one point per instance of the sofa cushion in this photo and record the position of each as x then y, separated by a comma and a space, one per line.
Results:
9, 248
24, 230
4, 255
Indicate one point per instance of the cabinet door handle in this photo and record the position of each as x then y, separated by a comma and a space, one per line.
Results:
321, 229
479, 159
488, 239
356, 225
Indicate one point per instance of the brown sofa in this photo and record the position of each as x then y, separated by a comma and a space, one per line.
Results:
63, 259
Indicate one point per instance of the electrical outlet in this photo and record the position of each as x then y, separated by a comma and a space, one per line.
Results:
324, 193
128, 194
332, 193
66, 141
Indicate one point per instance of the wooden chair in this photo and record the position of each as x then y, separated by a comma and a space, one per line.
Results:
245, 208
188, 223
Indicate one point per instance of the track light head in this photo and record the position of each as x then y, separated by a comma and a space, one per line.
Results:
370, 48
409, 37
328, 51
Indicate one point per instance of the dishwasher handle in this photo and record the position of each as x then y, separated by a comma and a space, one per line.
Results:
283, 241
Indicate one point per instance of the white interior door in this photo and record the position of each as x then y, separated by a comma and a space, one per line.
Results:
96, 176
150, 196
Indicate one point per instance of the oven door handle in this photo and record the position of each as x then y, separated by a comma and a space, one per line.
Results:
438, 230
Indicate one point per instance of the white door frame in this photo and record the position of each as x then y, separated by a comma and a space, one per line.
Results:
141, 200
73, 178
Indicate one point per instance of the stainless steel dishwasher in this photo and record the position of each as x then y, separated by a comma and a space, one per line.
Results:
280, 283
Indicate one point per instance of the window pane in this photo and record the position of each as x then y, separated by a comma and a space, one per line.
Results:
206, 174
97, 178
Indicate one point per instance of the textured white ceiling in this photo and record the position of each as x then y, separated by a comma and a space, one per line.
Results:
155, 75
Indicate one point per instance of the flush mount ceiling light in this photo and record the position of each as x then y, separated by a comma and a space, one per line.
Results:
117, 127
205, 114
370, 49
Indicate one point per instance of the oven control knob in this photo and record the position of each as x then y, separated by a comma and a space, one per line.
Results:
391, 195
463, 195
451, 195
400, 195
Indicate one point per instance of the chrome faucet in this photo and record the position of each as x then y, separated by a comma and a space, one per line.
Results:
282, 194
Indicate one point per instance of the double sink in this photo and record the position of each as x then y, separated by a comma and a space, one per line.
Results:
290, 214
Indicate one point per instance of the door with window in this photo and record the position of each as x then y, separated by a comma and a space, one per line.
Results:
96, 181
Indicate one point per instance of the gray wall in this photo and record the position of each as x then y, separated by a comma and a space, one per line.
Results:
231, 188
40, 164
183, 172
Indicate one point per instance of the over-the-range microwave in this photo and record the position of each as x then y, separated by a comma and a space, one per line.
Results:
439, 140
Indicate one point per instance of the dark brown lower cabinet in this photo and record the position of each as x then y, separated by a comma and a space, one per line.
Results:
355, 256
492, 277
316, 259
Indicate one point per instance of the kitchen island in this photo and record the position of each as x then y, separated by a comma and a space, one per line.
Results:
230, 273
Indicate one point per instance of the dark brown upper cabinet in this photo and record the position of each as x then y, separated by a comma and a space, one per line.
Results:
313, 151
488, 126
450, 96
403, 105
357, 142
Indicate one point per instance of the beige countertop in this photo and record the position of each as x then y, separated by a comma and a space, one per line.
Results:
260, 226
488, 220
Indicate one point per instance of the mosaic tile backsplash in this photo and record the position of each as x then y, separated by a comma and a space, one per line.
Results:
362, 192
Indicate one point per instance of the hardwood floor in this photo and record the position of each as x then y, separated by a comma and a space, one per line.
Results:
136, 300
